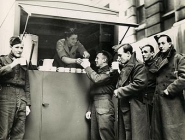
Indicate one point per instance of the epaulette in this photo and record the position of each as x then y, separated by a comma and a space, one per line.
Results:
2, 55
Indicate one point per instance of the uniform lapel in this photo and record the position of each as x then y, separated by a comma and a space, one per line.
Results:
73, 49
126, 71
66, 47
124, 75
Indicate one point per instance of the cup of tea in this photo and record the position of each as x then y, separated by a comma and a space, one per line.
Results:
22, 61
78, 70
66, 69
73, 70
115, 65
60, 69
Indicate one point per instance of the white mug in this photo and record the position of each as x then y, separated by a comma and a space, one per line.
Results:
22, 61
47, 63
61, 69
73, 70
78, 70
85, 60
115, 65
66, 69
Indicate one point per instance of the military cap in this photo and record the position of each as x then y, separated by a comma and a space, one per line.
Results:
15, 40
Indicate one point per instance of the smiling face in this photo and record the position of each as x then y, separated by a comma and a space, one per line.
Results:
123, 57
163, 44
146, 53
100, 60
72, 39
17, 50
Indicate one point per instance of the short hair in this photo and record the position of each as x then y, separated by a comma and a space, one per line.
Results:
150, 46
107, 55
70, 32
15, 40
127, 48
163, 35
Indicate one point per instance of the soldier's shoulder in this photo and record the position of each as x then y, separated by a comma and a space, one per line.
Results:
2, 56
180, 55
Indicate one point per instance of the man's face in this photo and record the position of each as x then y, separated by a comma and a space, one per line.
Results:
17, 50
72, 39
122, 56
146, 53
163, 44
100, 59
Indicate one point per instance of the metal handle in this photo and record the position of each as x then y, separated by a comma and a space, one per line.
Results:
45, 104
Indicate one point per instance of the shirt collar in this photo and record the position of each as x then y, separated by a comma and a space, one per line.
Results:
105, 68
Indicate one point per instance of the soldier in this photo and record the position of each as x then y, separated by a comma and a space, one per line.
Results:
148, 58
133, 123
101, 110
168, 117
14, 93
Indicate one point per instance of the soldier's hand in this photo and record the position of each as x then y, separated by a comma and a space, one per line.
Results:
166, 92
79, 60
115, 93
15, 62
86, 54
88, 115
27, 110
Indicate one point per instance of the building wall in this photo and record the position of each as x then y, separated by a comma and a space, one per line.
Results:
159, 19
7, 10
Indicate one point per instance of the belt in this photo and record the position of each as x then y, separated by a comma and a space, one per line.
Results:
9, 85
102, 96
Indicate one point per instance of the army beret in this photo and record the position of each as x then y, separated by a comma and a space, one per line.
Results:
15, 40
116, 47
156, 37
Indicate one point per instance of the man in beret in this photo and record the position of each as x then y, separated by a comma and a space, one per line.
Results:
101, 110
132, 119
168, 116
14, 92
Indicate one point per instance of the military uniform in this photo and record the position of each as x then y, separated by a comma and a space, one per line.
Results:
14, 97
63, 49
133, 123
102, 108
168, 118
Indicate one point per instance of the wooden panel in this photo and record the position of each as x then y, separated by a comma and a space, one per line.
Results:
33, 121
67, 97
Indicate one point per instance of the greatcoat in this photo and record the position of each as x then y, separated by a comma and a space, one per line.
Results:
168, 117
133, 123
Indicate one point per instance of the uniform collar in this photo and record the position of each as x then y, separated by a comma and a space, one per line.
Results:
105, 68
11, 56
67, 45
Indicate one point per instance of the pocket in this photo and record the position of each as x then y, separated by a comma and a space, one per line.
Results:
102, 111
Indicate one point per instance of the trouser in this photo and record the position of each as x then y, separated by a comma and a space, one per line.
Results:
124, 120
12, 114
102, 119
133, 120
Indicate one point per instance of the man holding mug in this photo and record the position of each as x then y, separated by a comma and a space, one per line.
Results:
101, 110
14, 92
